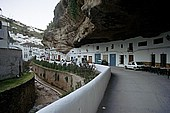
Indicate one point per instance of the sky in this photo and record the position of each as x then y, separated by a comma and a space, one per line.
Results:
35, 13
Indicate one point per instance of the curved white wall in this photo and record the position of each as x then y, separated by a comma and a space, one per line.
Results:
85, 99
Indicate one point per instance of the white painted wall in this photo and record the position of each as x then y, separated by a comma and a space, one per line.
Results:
85, 99
141, 53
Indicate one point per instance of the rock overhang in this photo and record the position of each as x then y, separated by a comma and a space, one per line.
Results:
79, 22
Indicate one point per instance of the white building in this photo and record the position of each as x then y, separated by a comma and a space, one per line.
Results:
28, 52
152, 51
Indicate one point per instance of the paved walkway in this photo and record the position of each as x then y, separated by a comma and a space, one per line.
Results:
136, 92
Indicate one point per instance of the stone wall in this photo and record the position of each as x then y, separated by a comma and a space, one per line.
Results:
63, 80
19, 99
10, 63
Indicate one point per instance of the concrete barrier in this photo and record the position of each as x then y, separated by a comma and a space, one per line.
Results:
85, 99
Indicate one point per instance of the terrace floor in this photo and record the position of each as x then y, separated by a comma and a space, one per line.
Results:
131, 91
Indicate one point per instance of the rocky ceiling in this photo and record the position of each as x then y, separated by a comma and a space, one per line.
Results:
78, 22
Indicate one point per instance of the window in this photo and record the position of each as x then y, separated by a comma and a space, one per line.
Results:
168, 37
158, 41
130, 48
97, 47
121, 46
144, 43
107, 48
112, 46
121, 59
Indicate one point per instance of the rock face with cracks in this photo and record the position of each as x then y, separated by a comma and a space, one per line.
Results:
78, 22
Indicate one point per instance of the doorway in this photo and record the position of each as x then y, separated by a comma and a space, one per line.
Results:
131, 58
112, 59
90, 59
97, 58
152, 59
163, 60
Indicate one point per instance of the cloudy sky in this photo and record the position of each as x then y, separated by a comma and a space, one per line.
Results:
36, 13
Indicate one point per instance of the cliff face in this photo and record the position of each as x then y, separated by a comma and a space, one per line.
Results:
78, 22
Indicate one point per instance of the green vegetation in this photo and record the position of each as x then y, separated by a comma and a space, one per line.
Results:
86, 72
14, 82
73, 8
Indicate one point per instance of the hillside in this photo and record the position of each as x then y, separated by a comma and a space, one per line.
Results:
22, 34
18, 27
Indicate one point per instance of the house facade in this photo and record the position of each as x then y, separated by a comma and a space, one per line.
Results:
153, 51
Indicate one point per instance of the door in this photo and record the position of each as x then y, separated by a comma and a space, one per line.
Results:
130, 58
130, 49
98, 58
112, 59
163, 60
59, 57
90, 59
105, 57
152, 59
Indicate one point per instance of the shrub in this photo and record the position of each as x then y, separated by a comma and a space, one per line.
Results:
84, 71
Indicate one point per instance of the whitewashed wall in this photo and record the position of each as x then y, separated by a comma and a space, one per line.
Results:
141, 53
85, 99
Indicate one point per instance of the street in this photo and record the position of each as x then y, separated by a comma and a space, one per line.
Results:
132, 91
